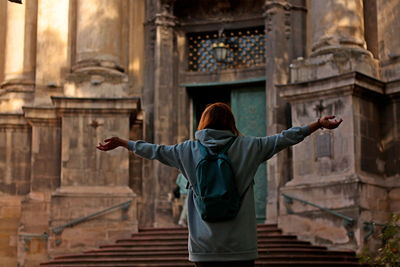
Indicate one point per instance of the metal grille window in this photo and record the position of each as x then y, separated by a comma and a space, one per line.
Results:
245, 48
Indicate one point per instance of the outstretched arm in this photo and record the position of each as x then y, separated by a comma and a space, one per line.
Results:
275, 143
168, 155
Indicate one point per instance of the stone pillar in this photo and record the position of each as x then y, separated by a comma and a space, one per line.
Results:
337, 24
165, 120
341, 170
277, 14
97, 70
149, 193
337, 42
52, 53
92, 180
44, 180
98, 33
15, 144
20, 47
3, 19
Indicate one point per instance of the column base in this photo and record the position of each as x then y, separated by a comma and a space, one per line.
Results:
332, 61
15, 94
97, 80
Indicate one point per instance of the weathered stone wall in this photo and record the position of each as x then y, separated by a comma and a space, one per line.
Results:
15, 147
10, 213
71, 204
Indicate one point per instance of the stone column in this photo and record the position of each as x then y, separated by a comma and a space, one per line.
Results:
52, 53
97, 70
165, 120
277, 14
3, 19
20, 46
15, 144
337, 24
44, 180
336, 43
98, 33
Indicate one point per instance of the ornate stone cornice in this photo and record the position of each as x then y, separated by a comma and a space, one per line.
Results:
164, 17
95, 105
41, 116
271, 7
13, 121
18, 85
274, 4
393, 88
165, 20
352, 83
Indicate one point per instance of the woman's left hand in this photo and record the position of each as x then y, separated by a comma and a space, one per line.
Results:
112, 143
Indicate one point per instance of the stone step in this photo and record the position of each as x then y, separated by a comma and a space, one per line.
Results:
154, 254
184, 232
258, 264
166, 229
178, 237
308, 264
168, 247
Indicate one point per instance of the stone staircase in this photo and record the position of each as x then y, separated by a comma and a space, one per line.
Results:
168, 247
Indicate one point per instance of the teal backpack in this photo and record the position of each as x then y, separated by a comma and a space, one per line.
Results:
215, 192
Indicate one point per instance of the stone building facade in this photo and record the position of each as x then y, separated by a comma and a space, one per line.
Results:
74, 72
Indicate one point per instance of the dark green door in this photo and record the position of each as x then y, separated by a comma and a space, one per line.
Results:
249, 108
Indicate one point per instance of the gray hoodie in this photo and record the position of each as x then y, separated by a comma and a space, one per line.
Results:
233, 240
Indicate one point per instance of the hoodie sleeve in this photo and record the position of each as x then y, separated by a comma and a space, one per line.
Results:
168, 155
271, 145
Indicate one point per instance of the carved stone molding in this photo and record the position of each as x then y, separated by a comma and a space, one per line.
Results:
41, 116
164, 20
270, 10
270, 5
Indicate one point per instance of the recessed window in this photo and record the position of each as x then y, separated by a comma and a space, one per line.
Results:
244, 48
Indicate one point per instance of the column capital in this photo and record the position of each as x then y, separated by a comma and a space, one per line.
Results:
164, 20
271, 5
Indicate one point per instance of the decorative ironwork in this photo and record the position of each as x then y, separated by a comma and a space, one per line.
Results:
246, 49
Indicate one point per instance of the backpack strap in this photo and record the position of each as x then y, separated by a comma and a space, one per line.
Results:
247, 189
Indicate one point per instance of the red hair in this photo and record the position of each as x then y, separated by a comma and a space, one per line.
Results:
218, 116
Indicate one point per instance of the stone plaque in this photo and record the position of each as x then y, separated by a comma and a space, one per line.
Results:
324, 145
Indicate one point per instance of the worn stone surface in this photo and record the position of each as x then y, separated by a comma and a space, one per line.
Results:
66, 206
10, 212
15, 156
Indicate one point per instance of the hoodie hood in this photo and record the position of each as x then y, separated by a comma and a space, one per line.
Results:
213, 138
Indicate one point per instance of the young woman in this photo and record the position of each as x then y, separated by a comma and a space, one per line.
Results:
233, 242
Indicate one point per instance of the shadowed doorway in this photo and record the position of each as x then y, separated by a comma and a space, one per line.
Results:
248, 102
